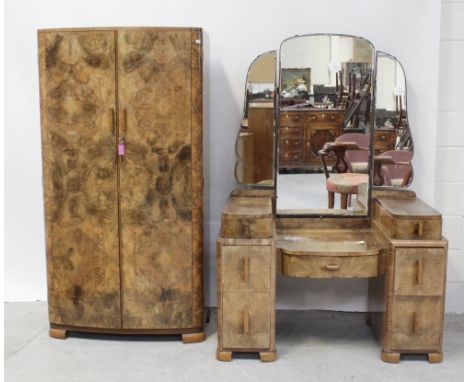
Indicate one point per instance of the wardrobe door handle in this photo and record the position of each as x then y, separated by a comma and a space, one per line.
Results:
246, 270
122, 132
245, 324
419, 274
111, 119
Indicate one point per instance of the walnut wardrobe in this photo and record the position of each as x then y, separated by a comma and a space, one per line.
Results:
121, 116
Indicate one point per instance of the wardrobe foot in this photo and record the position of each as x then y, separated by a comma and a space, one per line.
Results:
390, 357
435, 357
189, 338
225, 356
269, 356
60, 334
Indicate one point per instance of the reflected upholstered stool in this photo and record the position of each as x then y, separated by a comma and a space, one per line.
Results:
344, 184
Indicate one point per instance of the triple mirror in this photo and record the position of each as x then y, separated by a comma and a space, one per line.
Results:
337, 106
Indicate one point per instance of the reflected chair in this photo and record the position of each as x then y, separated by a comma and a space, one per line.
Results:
399, 171
346, 184
357, 161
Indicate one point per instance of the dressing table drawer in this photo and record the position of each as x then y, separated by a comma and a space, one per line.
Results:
417, 323
419, 271
408, 227
246, 268
330, 266
246, 321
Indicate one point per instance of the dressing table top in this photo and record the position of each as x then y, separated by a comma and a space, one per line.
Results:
411, 208
326, 242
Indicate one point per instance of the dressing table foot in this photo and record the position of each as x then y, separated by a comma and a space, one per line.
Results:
435, 357
225, 356
60, 334
368, 319
268, 356
390, 357
193, 337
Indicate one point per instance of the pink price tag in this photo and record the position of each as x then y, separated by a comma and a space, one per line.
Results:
121, 149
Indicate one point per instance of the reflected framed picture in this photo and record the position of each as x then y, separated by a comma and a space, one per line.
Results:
297, 79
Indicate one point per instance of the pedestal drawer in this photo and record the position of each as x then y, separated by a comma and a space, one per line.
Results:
417, 323
330, 266
246, 320
420, 271
246, 268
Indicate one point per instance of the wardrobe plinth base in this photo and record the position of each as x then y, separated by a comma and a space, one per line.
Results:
187, 334
190, 338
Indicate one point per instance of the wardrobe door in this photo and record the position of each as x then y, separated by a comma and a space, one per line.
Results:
159, 97
77, 81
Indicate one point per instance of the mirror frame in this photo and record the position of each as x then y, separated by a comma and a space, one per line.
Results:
371, 146
385, 54
238, 159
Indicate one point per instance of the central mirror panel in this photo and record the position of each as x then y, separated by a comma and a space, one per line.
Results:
324, 125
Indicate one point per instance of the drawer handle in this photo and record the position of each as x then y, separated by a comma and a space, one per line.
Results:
246, 271
420, 228
245, 320
332, 267
415, 323
419, 274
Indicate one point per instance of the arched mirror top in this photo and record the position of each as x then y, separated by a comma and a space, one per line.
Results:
393, 143
255, 141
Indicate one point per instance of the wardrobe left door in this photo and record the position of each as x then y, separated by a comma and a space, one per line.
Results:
78, 102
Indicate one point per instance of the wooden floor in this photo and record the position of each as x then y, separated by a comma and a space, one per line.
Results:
312, 346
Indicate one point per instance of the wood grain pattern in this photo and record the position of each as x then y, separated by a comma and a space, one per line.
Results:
155, 88
77, 83
323, 267
258, 307
419, 272
407, 304
245, 268
249, 217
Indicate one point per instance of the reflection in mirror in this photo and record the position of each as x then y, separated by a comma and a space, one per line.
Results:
325, 128
393, 144
255, 142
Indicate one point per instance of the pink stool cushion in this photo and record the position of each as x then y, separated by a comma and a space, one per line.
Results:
346, 183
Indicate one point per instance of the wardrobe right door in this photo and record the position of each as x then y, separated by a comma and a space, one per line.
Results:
159, 98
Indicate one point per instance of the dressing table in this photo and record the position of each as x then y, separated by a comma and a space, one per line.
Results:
281, 224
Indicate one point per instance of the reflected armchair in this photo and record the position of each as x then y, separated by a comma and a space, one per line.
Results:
398, 171
356, 160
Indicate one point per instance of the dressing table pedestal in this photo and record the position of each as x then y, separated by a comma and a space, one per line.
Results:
407, 303
246, 272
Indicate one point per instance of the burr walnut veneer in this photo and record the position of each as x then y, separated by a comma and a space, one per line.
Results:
400, 251
121, 115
